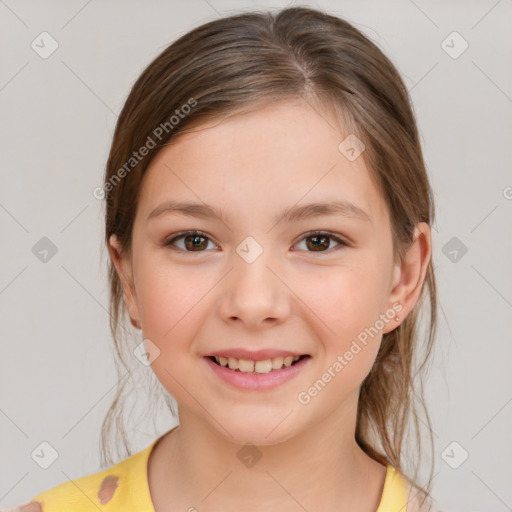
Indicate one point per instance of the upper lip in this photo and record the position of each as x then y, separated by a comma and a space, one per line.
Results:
253, 355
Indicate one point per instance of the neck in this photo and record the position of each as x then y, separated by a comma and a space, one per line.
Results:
320, 468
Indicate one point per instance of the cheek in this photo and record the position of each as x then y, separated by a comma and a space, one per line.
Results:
167, 298
344, 306
344, 301
346, 310
173, 304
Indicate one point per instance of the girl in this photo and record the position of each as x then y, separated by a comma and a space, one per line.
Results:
268, 218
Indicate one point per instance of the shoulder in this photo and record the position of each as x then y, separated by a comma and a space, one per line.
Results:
91, 492
400, 494
85, 494
418, 503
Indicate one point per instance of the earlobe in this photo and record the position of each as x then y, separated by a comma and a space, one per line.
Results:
124, 270
409, 276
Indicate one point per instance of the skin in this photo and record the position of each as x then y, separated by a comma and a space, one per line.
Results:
189, 304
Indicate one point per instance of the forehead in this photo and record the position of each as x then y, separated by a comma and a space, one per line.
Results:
263, 160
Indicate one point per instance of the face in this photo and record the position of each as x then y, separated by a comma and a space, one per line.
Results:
255, 280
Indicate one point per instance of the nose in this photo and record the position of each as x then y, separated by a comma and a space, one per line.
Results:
254, 292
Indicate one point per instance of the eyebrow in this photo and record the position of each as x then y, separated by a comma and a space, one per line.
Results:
340, 207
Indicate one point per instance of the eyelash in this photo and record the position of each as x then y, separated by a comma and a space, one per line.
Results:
328, 234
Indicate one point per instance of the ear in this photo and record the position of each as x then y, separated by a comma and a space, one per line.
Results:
122, 263
409, 275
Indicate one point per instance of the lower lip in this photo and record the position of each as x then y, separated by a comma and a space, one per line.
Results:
257, 381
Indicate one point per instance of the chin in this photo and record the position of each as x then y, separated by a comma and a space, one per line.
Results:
256, 430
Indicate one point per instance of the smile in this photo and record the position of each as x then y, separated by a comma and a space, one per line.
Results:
261, 366
245, 374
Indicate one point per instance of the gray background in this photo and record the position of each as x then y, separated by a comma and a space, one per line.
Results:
58, 113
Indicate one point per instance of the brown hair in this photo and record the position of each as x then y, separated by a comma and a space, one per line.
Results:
247, 60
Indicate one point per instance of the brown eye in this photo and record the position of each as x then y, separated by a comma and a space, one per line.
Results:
320, 241
194, 241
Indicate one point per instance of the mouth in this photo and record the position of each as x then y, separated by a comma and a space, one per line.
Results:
259, 367
257, 375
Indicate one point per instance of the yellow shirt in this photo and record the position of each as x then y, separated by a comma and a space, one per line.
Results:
130, 492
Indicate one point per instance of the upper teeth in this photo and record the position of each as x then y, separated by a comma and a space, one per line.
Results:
264, 366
